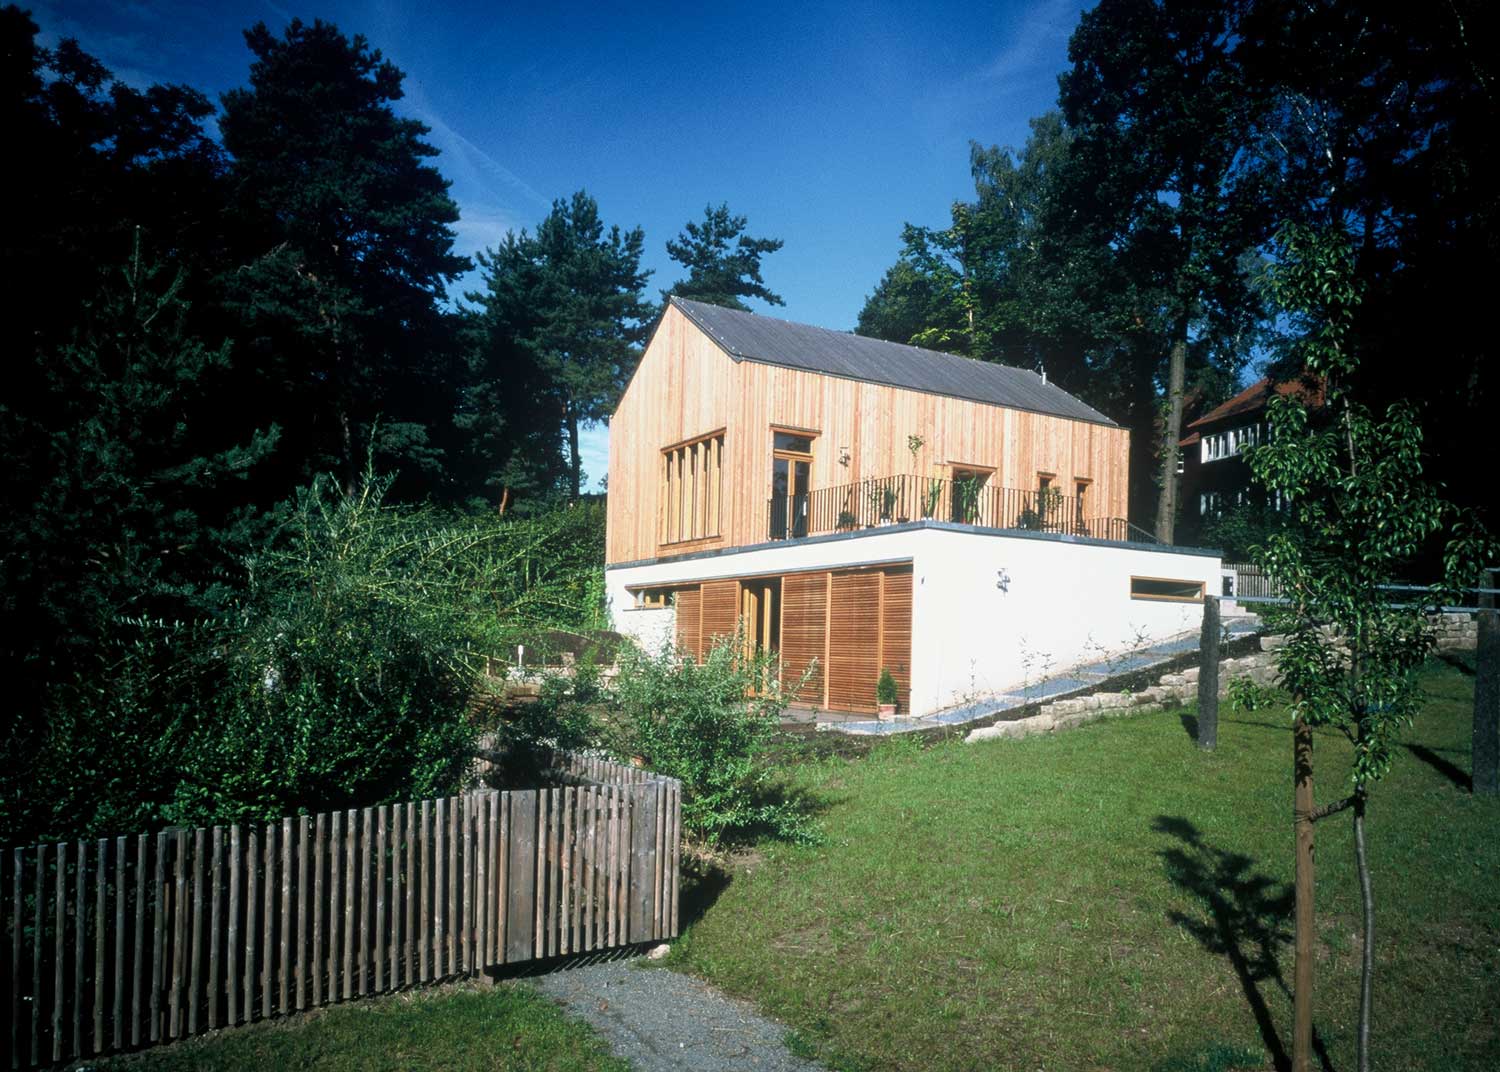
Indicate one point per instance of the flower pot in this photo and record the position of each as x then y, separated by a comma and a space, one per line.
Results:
887, 712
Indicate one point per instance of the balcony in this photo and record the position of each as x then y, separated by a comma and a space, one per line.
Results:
892, 500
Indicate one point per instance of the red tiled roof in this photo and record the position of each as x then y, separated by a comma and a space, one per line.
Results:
1255, 397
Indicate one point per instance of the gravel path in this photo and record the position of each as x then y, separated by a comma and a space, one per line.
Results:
662, 1021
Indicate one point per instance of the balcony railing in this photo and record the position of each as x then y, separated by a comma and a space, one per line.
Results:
895, 499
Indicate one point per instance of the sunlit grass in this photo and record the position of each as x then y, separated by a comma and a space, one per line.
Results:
508, 1027
1110, 897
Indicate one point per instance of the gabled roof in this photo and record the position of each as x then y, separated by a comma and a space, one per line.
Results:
752, 337
1257, 395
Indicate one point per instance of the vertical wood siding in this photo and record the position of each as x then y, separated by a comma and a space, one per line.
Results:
687, 387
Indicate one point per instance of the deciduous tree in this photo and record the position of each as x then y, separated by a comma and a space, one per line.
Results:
1366, 508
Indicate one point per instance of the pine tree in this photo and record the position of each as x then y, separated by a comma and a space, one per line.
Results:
347, 242
723, 262
558, 329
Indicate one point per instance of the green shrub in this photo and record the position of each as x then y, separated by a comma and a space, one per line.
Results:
340, 675
709, 724
563, 717
1246, 695
885, 687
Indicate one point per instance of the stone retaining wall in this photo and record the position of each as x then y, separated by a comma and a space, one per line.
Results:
1452, 632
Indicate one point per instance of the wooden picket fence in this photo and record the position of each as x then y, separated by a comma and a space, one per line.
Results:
127, 942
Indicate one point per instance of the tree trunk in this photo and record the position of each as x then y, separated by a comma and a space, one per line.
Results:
575, 455
1302, 971
1166, 504
1367, 959
1485, 780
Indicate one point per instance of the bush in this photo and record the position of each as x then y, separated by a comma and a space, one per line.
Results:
885, 687
562, 717
709, 724
341, 674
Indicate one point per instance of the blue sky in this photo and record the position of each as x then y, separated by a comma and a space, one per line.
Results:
829, 126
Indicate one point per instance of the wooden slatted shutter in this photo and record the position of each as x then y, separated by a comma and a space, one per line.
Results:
804, 632
895, 631
689, 621
853, 640
721, 613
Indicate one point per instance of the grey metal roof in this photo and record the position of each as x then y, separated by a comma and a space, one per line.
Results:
752, 337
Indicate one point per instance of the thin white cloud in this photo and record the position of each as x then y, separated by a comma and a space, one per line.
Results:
463, 160
1036, 42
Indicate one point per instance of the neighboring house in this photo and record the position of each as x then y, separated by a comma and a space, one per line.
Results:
1215, 476
852, 504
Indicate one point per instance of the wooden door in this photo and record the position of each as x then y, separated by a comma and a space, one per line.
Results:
689, 605
721, 613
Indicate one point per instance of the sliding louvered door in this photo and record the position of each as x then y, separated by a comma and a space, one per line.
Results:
895, 631
839, 628
853, 640
804, 633
689, 621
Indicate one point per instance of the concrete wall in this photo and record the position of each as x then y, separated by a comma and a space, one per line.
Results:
991, 610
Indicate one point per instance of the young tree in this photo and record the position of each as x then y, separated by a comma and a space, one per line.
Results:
723, 262
347, 239
1365, 508
562, 315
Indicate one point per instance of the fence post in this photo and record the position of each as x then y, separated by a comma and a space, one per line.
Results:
1208, 675
1486, 742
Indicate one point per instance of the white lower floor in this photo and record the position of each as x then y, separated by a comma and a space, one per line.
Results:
990, 610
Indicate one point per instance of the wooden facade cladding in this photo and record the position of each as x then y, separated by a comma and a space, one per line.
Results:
687, 388
844, 625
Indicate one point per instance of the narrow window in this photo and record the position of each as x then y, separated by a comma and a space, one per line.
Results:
1165, 589
691, 489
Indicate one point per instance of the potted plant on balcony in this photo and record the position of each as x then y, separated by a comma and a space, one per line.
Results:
882, 499
934, 493
885, 694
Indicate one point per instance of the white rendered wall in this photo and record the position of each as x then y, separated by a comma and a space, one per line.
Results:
1064, 602
991, 613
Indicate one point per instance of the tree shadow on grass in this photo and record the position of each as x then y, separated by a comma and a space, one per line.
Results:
1247, 920
1448, 769
1190, 725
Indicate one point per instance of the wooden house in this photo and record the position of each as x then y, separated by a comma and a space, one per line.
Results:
789, 481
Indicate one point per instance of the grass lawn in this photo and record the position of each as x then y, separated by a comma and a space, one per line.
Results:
1110, 898
452, 1028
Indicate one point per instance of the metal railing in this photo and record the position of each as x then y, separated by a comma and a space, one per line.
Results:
897, 499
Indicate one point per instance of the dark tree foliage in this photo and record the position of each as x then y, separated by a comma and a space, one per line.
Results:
345, 249
123, 490
722, 261
557, 333
1159, 107
1385, 123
